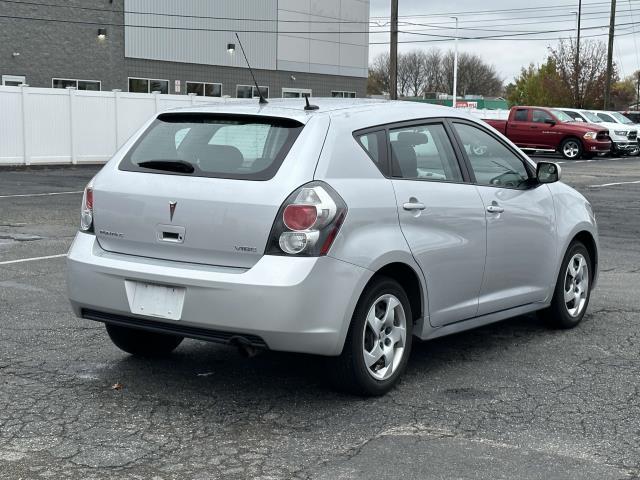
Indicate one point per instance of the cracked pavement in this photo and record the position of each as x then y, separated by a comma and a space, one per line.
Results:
510, 400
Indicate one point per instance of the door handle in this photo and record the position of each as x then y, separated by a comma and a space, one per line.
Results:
495, 209
414, 206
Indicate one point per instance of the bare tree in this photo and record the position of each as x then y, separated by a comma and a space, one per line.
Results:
474, 75
432, 71
433, 74
378, 82
591, 72
415, 71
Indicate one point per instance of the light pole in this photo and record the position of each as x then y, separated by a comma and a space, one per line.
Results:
577, 67
455, 68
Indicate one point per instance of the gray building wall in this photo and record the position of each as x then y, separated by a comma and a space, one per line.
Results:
63, 49
321, 85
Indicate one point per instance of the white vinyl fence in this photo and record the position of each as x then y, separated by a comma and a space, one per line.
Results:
55, 126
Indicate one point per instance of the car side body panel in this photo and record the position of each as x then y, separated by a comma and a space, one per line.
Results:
574, 215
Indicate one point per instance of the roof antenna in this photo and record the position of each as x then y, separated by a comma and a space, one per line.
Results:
307, 106
262, 100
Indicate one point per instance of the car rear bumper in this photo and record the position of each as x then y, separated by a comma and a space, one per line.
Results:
290, 304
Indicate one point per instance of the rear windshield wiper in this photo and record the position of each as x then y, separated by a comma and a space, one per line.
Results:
179, 166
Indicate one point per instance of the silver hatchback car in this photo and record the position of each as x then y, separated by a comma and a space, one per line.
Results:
343, 229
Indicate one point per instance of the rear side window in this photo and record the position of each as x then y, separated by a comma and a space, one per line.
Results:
521, 115
219, 146
606, 118
423, 152
574, 115
375, 144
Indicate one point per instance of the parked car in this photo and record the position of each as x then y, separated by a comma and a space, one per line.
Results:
633, 115
614, 117
552, 130
624, 137
343, 231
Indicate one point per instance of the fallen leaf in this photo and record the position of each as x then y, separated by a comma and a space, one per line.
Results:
117, 386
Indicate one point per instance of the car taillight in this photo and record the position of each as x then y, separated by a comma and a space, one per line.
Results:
86, 211
307, 222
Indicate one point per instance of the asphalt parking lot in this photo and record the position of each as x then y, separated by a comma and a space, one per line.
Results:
511, 400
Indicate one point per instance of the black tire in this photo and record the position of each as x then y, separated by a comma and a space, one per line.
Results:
615, 153
142, 342
578, 149
557, 314
349, 371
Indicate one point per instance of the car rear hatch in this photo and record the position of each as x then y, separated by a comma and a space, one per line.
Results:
204, 188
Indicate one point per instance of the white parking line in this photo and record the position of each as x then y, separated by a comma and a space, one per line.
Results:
613, 184
570, 162
41, 194
33, 259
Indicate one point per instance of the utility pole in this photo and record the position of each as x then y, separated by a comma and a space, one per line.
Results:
393, 55
455, 70
612, 26
577, 69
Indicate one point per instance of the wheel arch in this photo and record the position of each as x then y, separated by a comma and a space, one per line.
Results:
586, 238
409, 280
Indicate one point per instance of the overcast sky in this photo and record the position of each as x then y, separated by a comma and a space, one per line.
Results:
508, 56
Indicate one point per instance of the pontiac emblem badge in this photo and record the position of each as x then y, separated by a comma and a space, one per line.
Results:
172, 209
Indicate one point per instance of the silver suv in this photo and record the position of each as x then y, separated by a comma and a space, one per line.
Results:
341, 231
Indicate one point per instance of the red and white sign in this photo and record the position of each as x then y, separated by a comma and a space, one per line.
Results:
466, 104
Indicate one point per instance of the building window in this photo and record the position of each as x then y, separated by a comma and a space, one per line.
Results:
203, 89
296, 92
343, 94
13, 80
147, 85
247, 91
93, 85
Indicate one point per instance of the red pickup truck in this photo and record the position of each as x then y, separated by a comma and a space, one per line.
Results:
548, 129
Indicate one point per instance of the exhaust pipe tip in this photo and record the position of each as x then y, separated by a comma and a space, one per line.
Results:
244, 346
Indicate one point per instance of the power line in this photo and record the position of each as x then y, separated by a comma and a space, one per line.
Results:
505, 22
487, 29
509, 35
177, 15
500, 39
374, 24
529, 17
487, 12
506, 36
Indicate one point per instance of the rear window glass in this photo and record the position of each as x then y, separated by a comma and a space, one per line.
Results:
229, 146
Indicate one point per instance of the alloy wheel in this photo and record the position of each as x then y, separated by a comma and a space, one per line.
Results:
384, 337
576, 285
571, 149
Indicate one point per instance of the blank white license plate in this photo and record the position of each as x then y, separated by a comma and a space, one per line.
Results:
155, 300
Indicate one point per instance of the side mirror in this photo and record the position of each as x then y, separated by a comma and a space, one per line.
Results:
548, 172
549, 121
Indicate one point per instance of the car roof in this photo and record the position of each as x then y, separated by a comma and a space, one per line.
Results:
293, 108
